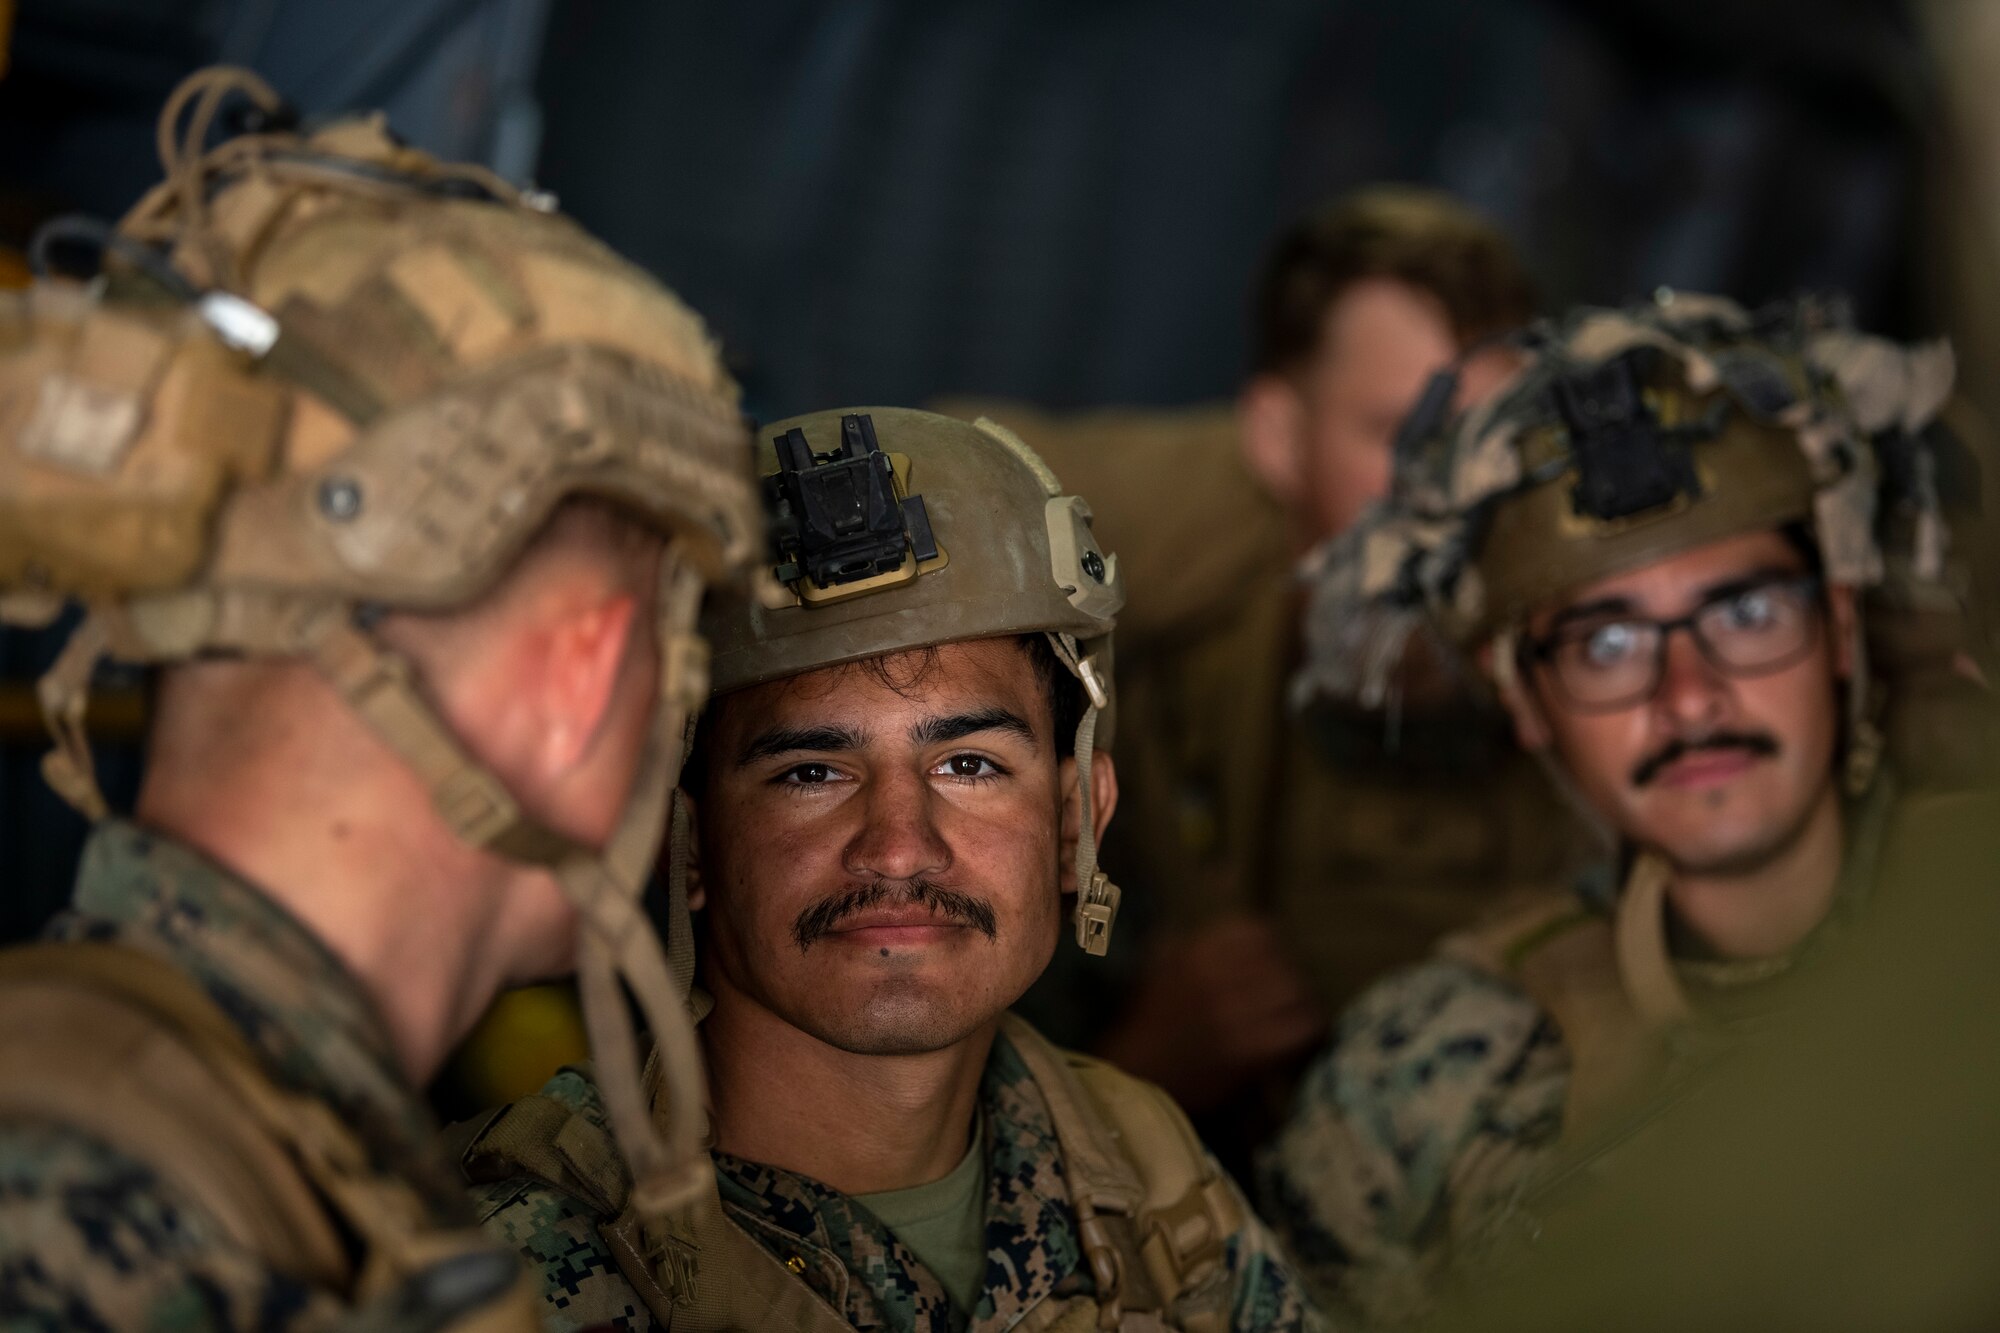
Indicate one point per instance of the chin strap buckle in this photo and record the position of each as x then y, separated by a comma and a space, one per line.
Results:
676, 1264
1096, 913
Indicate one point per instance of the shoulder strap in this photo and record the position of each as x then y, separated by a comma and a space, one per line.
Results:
1567, 958
112, 1042
1155, 1215
125, 1048
698, 1273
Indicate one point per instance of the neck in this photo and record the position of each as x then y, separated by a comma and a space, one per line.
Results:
429, 927
1768, 910
784, 1098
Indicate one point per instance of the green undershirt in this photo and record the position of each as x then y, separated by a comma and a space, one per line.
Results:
944, 1223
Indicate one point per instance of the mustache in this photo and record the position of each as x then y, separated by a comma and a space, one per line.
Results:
818, 921
1757, 743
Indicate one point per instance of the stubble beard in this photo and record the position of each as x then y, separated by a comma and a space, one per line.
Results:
1755, 857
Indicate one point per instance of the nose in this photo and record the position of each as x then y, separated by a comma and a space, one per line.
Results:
899, 838
1693, 696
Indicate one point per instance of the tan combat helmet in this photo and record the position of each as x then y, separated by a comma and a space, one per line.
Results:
1632, 434
896, 529
325, 376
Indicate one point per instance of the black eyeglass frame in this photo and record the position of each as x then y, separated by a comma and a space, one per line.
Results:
1540, 651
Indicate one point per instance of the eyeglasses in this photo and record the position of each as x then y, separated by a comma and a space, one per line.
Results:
1602, 664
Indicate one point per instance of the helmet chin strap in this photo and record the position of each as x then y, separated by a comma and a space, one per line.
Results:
1865, 743
618, 949
1096, 896
663, 1146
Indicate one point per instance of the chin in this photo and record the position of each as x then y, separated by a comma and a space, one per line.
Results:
899, 1017
1725, 848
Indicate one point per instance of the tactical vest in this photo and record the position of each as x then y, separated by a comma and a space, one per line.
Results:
119, 1045
1153, 1214
1606, 981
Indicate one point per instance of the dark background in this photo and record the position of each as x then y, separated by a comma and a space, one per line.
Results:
884, 201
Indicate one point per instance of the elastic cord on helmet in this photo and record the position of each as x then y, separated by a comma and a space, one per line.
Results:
79, 230
618, 945
1096, 896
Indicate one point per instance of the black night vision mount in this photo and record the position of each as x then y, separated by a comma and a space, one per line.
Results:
1627, 459
839, 518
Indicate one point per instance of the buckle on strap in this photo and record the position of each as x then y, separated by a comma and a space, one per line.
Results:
673, 1260
379, 686
475, 806
1185, 1242
1096, 913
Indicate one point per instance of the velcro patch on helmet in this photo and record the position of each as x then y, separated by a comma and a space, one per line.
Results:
81, 426
842, 521
1626, 461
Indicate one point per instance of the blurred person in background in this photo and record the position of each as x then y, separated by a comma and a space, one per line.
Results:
1842, 1177
1657, 541
1286, 861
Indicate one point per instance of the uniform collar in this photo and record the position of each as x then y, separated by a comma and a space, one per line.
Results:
1688, 979
854, 1262
305, 1015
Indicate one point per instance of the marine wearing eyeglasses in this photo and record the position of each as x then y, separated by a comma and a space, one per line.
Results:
1602, 658
1653, 543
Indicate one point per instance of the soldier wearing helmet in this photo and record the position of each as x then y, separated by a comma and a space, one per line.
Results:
1286, 862
411, 489
898, 785
1656, 540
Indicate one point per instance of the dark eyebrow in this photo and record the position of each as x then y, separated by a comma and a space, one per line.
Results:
957, 726
1742, 583
1603, 606
1734, 586
786, 740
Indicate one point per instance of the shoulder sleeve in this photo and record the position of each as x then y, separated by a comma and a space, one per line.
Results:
568, 1261
556, 1233
92, 1239
1265, 1291
1442, 1087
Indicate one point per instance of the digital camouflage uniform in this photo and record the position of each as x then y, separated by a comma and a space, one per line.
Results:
1455, 1091
90, 1238
1034, 1258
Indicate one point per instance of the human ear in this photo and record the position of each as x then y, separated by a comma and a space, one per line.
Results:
697, 890
1499, 660
1103, 804
584, 653
1271, 429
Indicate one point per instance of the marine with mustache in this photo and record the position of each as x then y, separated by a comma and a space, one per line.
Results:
899, 782
1656, 542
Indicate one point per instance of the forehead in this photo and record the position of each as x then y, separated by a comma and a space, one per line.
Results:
1384, 320
1679, 581
951, 677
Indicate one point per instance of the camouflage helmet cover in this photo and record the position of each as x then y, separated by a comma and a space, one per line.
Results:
1629, 435
377, 390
